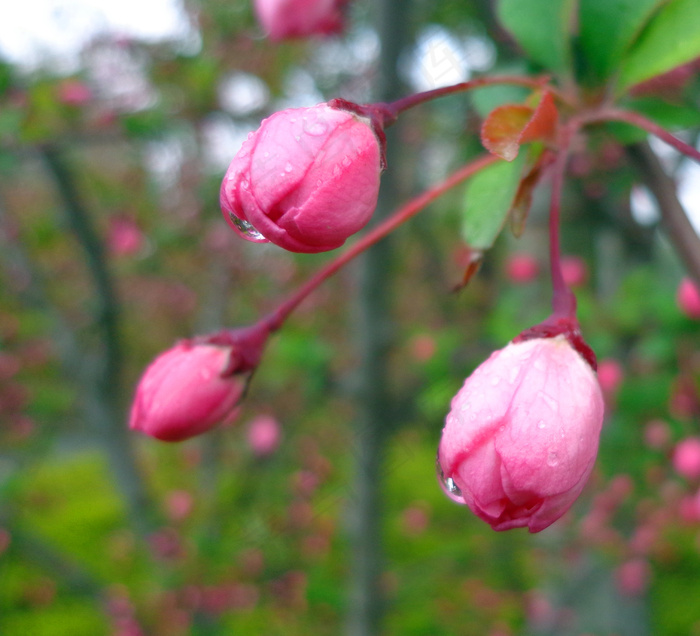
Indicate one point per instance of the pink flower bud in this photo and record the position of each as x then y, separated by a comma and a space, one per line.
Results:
522, 435
285, 19
186, 391
124, 237
574, 271
306, 180
688, 299
686, 457
73, 92
264, 435
610, 375
522, 268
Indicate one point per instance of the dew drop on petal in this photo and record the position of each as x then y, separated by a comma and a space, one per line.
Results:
347, 162
552, 459
541, 424
288, 167
316, 128
247, 229
448, 485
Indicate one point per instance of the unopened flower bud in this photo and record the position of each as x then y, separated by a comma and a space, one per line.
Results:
286, 19
264, 435
688, 298
522, 435
186, 391
686, 457
306, 180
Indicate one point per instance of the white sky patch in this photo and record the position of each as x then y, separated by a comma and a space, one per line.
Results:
35, 33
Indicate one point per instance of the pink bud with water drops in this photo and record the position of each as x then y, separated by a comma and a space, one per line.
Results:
287, 19
686, 457
306, 180
197, 384
521, 438
264, 435
688, 298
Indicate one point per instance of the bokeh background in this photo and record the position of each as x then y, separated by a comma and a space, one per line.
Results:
313, 513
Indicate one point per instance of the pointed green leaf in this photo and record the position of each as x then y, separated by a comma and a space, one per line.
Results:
488, 200
608, 28
671, 38
542, 28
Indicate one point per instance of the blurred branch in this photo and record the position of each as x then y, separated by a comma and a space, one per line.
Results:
674, 218
100, 394
80, 223
373, 342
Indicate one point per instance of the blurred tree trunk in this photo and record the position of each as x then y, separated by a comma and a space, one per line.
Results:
373, 342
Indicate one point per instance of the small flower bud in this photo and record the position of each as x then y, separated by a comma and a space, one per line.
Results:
522, 435
286, 19
264, 435
688, 299
186, 391
522, 268
686, 457
306, 180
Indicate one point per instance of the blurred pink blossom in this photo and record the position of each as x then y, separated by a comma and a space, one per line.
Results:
686, 457
286, 19
688, 298
522, 268
264, 435
574, 270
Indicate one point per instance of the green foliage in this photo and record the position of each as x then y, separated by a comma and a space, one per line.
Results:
542, 28
607, 29
487, 201
670, 39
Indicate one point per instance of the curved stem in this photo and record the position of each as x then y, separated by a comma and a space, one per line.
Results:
403, 104
275, 319
635, 119
563, 299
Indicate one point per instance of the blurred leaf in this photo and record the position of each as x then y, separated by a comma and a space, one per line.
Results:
608, 28
672, 116
542, 28
671, 38
490, 97
488, 200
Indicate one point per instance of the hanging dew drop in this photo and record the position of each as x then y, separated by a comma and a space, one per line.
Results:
448, 484
288, 167
247, 229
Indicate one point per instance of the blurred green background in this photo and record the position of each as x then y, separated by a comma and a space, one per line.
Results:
113, 247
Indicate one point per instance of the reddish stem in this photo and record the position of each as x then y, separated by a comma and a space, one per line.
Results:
563, 299
635, 119
275, 319
403, 104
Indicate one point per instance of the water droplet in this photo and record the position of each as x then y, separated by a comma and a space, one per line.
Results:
539, 364
472, 417
293, 120
552, 459
316, 128
513, 374
319, 183
495, 380
541, 424
297, 137
288, 167
245, 185
347, 162
247, 229
336, 170
266, 154
466, 406
448, 485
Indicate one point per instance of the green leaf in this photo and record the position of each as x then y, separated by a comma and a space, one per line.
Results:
488, 200
671, 38
608, 28
542, 28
